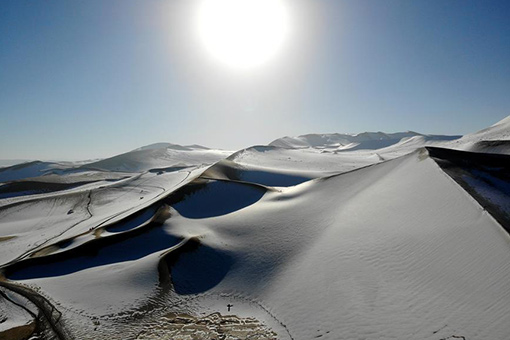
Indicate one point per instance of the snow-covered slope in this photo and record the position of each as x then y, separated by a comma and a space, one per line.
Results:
37, 169
388, 251
172, 146
494, 139
10, 162
161, 155
308, 162
314, 156
362, 141
498, 131
25, 170
300, 242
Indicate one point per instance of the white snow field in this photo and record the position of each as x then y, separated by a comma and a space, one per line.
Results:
303, 239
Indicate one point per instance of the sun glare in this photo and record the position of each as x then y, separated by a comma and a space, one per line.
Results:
243, 33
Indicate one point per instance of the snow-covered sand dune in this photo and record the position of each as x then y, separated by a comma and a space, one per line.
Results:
361, 141
494, 139
25, 170
401, 242
485, 176
160, 155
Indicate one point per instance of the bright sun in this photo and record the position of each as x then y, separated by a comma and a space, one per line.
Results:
243, 33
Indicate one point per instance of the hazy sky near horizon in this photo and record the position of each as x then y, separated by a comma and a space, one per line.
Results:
91, 79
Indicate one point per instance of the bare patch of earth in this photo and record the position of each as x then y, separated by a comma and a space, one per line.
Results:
213, 326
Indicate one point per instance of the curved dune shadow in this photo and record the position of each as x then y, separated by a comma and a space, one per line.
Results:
218, 198
26, 188
93, 256
133, 221
197, 268
266, 177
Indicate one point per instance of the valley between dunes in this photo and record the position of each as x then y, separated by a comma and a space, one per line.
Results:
373, 236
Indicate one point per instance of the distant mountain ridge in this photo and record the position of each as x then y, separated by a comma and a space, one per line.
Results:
153, 156
159, 155
494, 139
156, 146
365, 140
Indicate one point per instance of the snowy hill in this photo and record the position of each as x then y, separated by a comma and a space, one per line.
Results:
172, 146
160, 155
308, 239
354, 247
25, 170
494, 139
362, 141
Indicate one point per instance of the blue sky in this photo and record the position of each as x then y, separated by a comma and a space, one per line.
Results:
86, 79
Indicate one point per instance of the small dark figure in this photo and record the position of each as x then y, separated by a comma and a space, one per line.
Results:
229, 306
70, 212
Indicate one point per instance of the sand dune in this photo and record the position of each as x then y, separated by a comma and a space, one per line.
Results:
493, 139
394, 243
161, 155
361, 141
24, 170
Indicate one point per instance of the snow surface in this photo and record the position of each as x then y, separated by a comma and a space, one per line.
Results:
499, 132
362, 141
24, 170
160, 155
13, 315
312, 241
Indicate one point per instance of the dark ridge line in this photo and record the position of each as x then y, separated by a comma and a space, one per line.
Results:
43, 305
58, 194
456, 164
26, 309
17, 188
105, 170
31, 199
84, 249
18, 304
259, 148
21, 165
168, 169
492, 159
496, 142
170, 257
41, 246
230, 170
383, 161
89, 196
135, 211
251, 184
